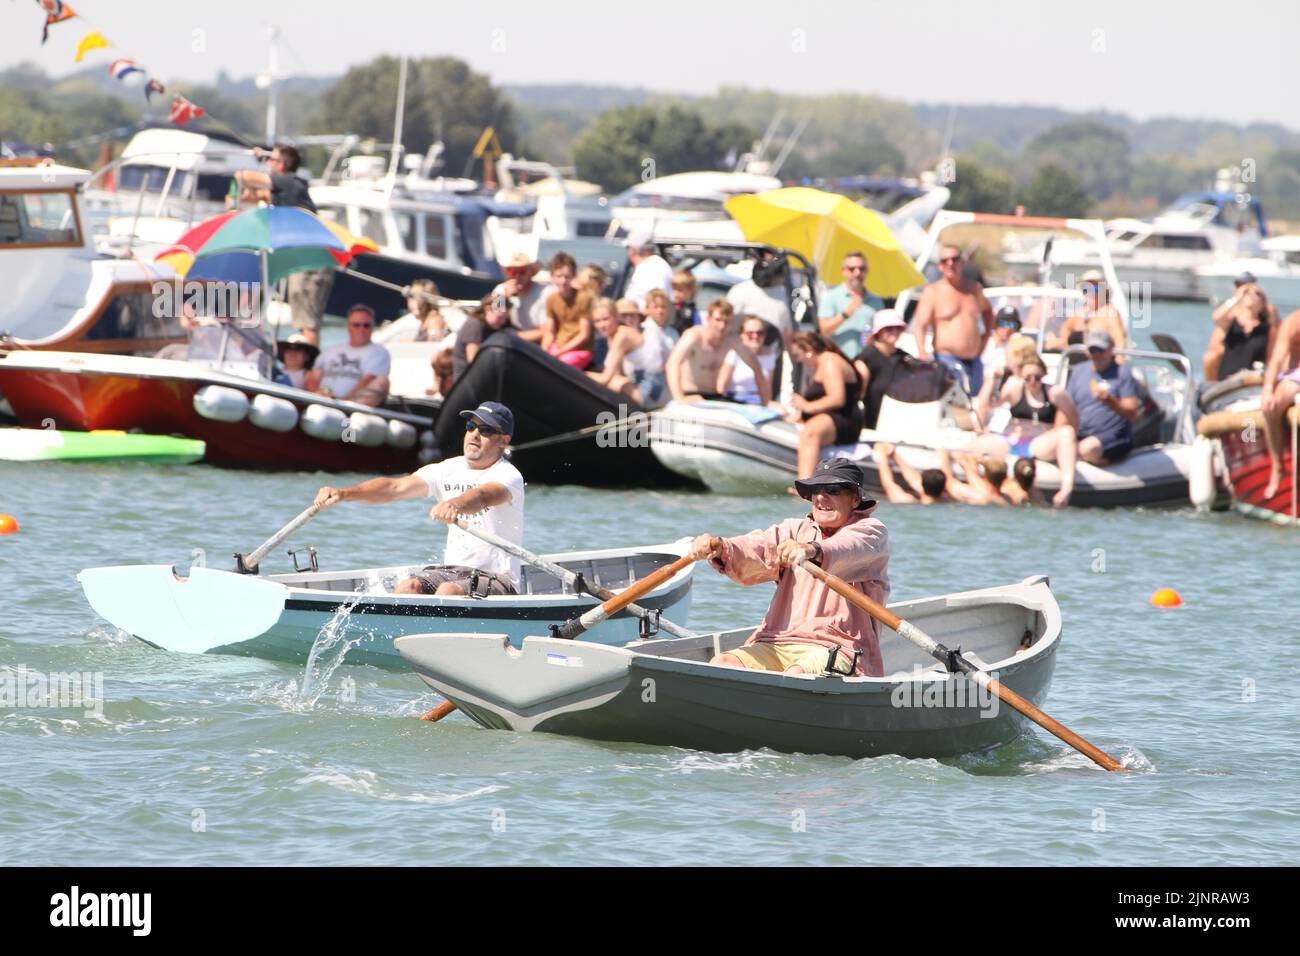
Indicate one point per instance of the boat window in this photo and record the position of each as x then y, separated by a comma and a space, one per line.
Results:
1186, 242
435, 236
406, 227
132, 176
38, 219
213, 187
594, 228
133, 316
372, 226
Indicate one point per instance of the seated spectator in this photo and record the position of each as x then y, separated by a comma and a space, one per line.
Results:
424, 308
696, 361
1096, 314
527, 298
593, 279
492, 315
658, 308
685, 314
444, 373
638, 349
297, 355
829, 411
356, 370
607, 369
879, 360
1020, 348
649, 269
568, 334
1245, 327
736, 379
1108, 398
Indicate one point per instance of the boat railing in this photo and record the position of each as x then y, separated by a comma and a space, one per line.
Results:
1184, 432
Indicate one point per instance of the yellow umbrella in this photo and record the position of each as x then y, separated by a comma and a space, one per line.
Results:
824, 227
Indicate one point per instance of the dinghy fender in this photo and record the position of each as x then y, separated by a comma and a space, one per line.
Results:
323, 422
401, 435
221, 404
1201, 487
273, 414
369, 431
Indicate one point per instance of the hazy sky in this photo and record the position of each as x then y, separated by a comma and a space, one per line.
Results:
1197, 59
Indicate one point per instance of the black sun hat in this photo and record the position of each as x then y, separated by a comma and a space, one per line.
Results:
835, 471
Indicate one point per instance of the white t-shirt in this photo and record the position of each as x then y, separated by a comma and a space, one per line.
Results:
744, 387
344, 366
446, 480
749, 298
528, 311
650, 273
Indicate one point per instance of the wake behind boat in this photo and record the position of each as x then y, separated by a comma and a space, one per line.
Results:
666, 693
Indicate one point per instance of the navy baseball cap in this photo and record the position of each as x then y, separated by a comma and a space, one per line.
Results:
494, 415
834, 471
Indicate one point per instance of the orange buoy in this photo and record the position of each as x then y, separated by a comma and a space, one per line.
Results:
1166, 597
8, 524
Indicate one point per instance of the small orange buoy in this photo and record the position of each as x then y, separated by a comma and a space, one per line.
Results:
8, 524
1166, 597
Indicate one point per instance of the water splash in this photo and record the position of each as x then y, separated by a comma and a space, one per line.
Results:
330, 648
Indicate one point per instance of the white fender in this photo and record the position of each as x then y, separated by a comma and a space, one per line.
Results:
1201, 485
273, 414
323, 422
401, 434
221, 404
369, 431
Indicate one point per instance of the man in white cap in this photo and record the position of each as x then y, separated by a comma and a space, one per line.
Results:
481, 486
880, 357
527, 299
649, 269
845, 311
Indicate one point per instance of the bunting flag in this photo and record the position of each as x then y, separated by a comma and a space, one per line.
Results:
56, 11
183, 111
122, 68
91, 41
152, 87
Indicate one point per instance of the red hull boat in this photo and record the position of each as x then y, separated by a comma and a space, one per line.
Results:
1233, 419
281, 427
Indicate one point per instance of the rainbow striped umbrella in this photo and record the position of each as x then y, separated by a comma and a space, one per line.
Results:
231, 247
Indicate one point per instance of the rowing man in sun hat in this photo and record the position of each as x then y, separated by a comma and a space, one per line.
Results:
808, 628
481, 486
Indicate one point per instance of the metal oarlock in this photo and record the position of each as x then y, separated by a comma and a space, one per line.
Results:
311, 559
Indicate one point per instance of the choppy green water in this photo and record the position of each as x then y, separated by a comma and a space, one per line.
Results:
219, 760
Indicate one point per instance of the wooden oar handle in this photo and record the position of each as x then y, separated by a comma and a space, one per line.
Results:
1052, 726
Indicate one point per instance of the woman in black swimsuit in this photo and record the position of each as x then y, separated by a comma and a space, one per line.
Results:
828, 411
1241, 337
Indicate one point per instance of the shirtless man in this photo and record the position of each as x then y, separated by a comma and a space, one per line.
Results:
1279, 393
952, 308
693, 366
929, 487
983, 482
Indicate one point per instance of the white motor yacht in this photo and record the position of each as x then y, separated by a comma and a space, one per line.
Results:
1276, 269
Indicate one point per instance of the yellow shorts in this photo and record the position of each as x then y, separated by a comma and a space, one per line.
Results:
811, 658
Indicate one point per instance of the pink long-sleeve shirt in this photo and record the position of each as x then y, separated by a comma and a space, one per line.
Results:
803, 610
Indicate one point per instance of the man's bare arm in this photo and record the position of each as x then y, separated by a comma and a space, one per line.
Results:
375, 491
921, 325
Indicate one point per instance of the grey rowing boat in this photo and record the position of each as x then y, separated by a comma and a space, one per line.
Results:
665, 692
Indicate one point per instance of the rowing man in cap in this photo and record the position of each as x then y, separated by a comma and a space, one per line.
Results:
809, 629
481, 486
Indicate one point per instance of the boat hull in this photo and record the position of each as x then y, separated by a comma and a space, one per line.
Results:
640, 694
282, 617
560, 408
745, 450
1234, 420
88, 393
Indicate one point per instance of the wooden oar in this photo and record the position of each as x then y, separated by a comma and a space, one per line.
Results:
564, 574
572, 628
949, 659
248, 565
